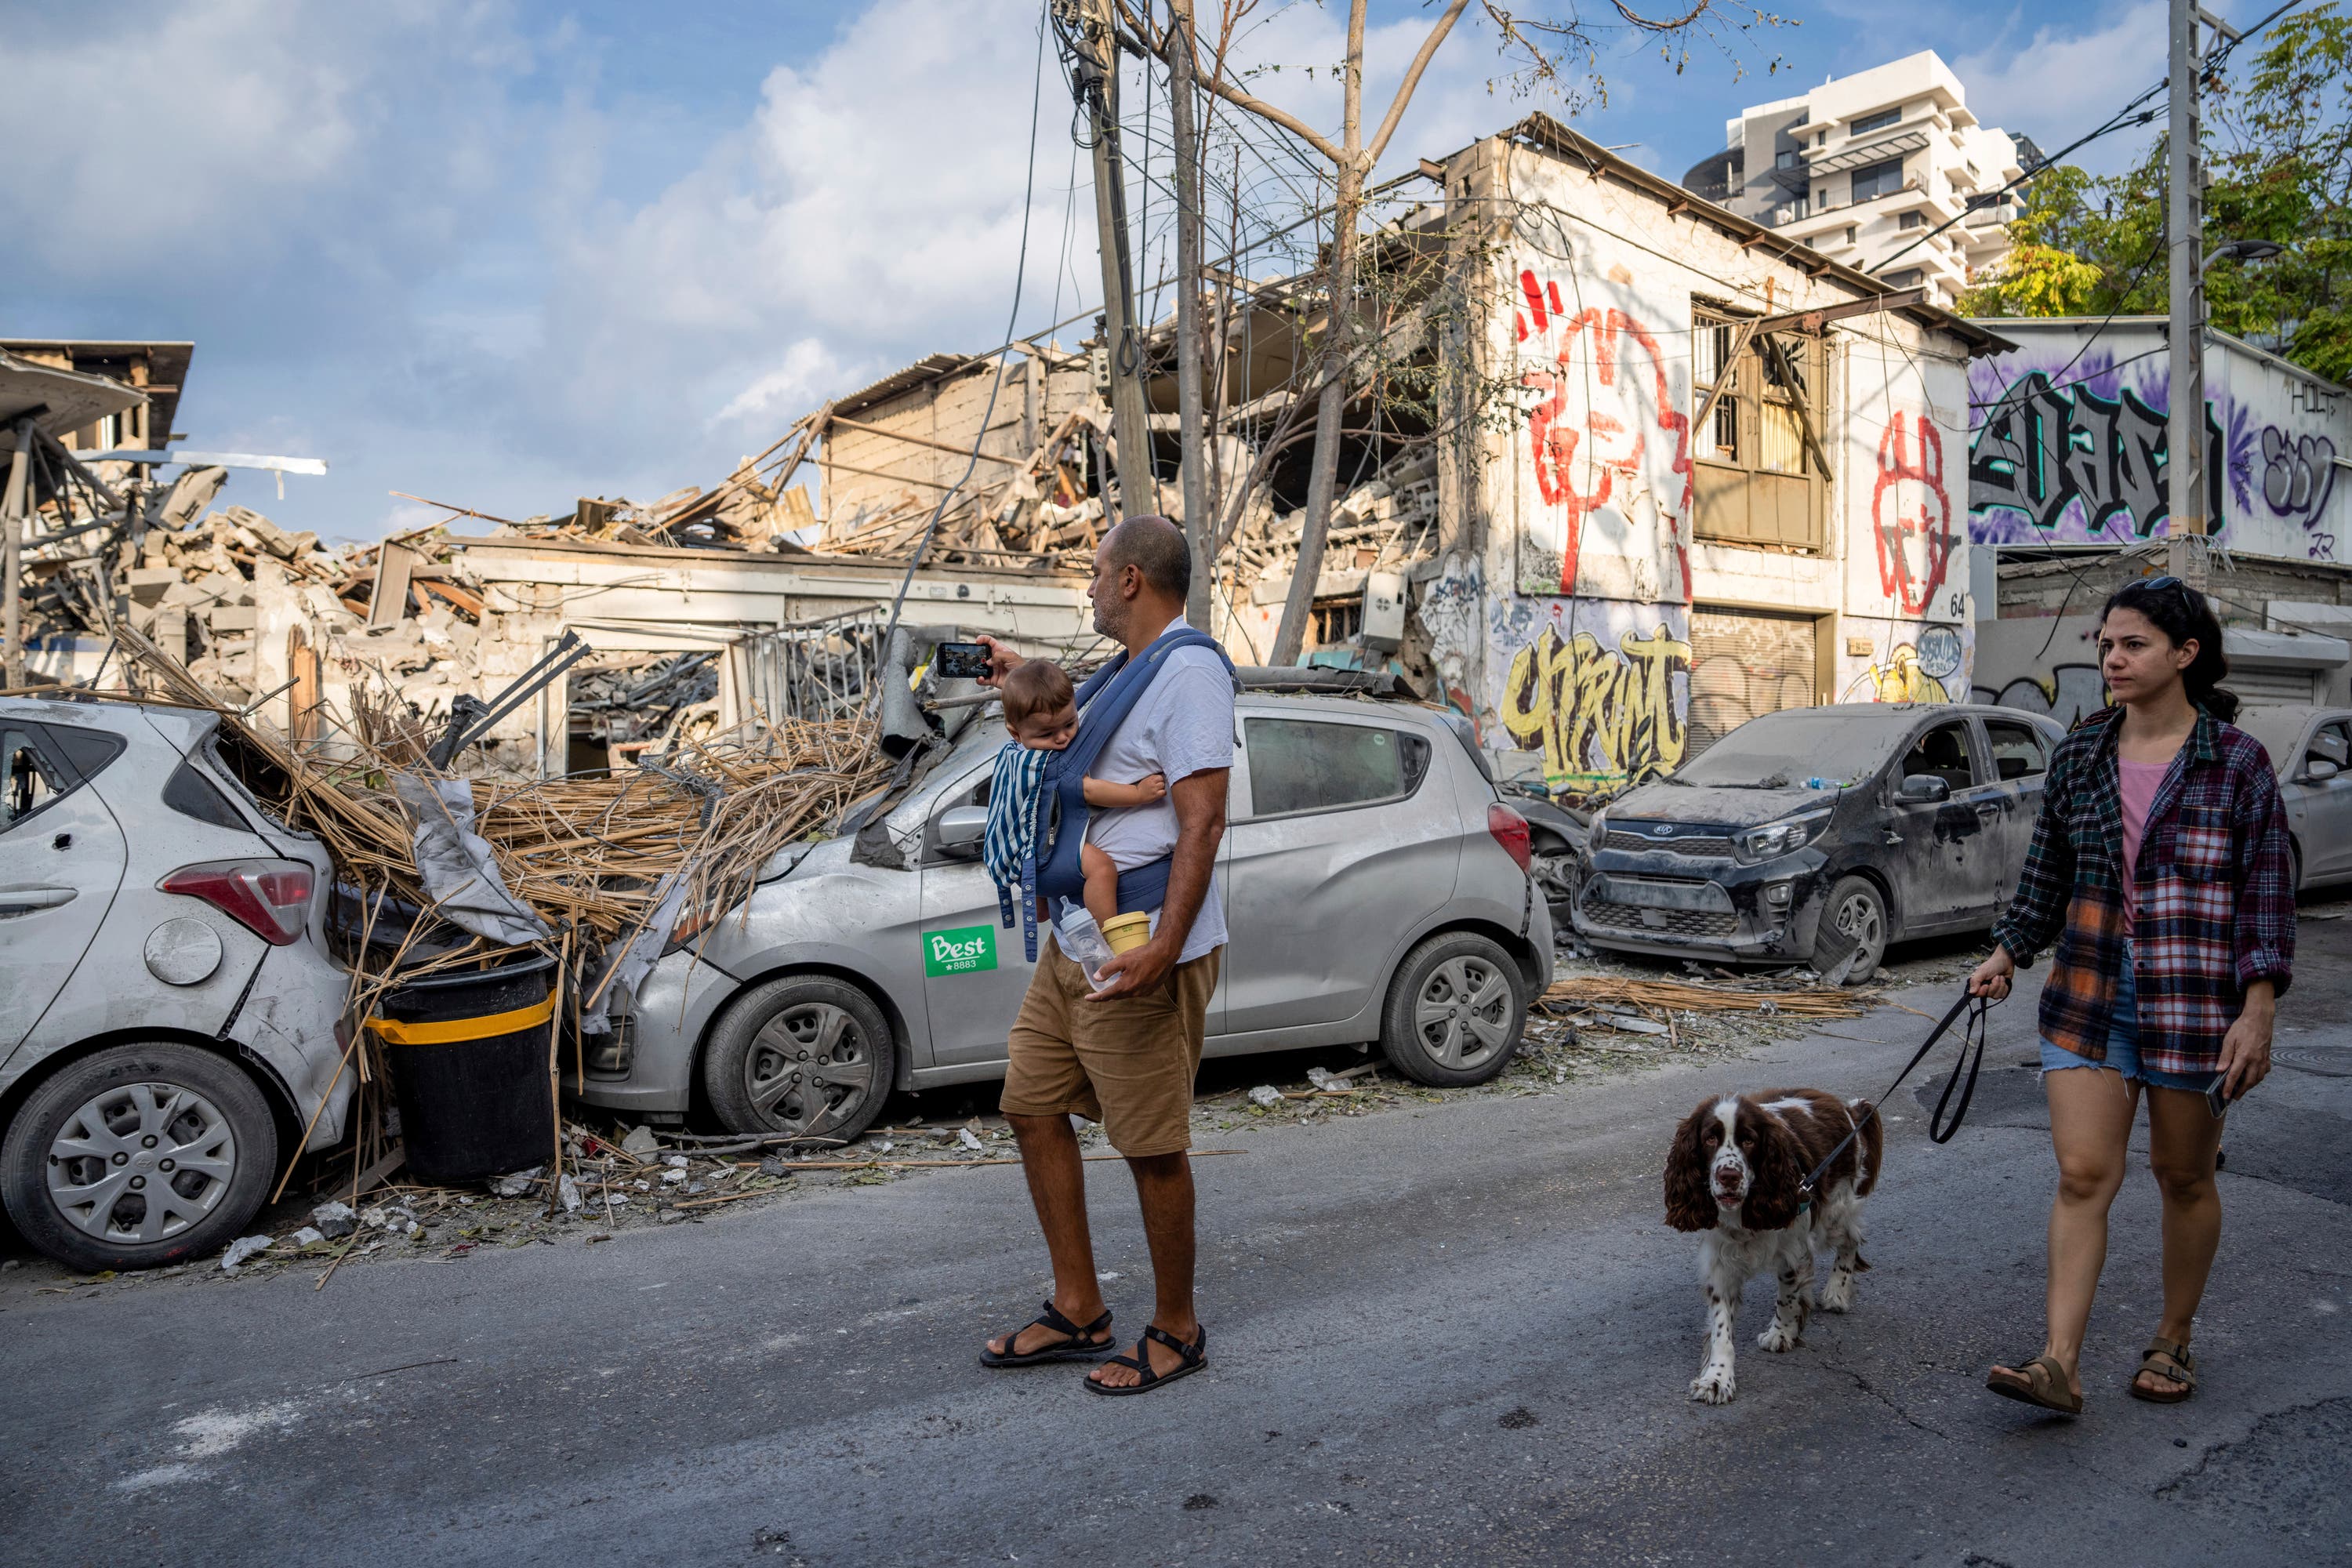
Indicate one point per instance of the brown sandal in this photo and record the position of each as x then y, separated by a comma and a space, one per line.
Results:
2041, 1381
2182, 1374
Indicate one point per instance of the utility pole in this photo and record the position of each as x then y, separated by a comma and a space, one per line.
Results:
1087, 25
2184, 435
12, 513
1198, 534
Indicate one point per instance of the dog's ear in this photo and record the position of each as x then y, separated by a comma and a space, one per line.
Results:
1690, 1194
1776, 1171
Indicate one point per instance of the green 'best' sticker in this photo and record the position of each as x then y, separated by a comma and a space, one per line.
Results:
966, 951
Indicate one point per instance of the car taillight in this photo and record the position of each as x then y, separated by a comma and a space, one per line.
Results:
1510, 829
271, 899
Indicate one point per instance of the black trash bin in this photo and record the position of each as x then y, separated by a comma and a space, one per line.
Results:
468, 1051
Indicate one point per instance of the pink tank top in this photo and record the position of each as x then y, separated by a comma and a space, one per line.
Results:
2139, 782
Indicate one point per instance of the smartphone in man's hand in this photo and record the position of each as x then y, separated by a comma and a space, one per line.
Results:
962, 662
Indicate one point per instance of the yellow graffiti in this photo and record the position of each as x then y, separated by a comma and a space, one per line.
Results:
1567, 697
1899, 679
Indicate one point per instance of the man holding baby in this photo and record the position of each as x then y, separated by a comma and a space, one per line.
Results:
1126, 1056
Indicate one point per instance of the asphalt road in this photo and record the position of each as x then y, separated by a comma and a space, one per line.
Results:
1455, 1334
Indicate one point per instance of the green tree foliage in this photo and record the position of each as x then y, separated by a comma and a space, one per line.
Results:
2282, 164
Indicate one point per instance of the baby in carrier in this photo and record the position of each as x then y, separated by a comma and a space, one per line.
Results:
1041, 709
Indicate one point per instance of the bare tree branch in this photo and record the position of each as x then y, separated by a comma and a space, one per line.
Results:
1412, 79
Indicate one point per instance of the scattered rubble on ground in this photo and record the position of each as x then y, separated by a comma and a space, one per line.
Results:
625, 1177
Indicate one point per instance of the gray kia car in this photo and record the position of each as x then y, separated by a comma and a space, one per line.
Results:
1377, 890
1877, 821
170, 1020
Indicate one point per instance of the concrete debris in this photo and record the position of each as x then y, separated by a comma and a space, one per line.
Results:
305, 1236
1267, 1096
334, 1220
570, 1191
968, 1138
515, 1184
243, 1249
676, 1176
640, 1140
772, 1166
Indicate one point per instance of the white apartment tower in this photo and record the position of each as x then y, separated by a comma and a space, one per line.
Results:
1864, 165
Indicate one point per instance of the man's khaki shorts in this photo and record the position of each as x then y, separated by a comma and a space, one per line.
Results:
1127, 1063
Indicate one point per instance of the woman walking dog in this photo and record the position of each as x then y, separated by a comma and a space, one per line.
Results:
2159, 866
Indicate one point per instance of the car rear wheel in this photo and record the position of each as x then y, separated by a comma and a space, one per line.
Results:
804, 1057
138, 1156
1455, 1011
1858, 913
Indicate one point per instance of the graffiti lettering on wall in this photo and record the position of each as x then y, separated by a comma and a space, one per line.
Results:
2071, 691
1603, 716
1603, 398
2298, 476
2078, 466
1910, 515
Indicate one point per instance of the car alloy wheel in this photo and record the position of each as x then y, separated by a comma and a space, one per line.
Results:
142, 1163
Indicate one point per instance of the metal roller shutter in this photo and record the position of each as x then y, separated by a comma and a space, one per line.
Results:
1744, 663
2273, 683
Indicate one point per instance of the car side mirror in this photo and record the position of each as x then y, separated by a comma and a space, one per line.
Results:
1923, 789
2318, 770
963, 827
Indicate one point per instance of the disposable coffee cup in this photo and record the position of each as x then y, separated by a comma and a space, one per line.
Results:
1127, 933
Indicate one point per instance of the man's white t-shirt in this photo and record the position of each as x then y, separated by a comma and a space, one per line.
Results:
1181, 725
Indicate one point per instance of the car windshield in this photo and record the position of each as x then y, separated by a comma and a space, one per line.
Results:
2278, 729
1779, 750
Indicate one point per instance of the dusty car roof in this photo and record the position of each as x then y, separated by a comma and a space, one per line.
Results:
184, 726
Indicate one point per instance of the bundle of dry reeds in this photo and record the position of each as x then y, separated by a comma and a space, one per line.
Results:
590, 856
1680, 997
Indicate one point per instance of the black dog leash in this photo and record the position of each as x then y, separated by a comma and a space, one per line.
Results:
1972, 1046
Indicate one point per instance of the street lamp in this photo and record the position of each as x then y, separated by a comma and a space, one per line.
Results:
2243, 250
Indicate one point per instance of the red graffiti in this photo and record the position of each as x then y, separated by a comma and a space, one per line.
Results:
1580, 455
1910, 517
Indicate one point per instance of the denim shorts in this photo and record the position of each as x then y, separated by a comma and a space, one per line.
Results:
2123, 1045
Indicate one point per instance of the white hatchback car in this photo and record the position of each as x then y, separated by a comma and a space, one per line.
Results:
170, 1018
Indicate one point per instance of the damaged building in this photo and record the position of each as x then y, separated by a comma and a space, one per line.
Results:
1623, 469
1620, 470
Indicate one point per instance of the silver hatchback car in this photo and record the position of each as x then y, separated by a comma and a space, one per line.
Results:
1376, 890
2311, 748
170, 1018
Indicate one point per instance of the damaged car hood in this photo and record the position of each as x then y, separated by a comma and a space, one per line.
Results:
1725, 807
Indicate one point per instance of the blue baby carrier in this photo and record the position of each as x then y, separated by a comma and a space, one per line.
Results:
1051, 870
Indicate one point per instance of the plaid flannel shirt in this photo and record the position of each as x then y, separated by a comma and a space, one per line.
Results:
2215, 904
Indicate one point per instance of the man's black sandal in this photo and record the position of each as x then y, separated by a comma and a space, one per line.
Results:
1189, 1359
1080, 1344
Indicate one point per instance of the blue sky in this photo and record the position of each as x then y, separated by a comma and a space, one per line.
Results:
504, 253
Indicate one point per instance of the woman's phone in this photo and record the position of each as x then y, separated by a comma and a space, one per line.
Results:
962, 660
2216, 1100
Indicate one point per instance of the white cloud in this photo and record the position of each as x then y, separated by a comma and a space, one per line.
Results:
2062, 82
809, 368
393, 228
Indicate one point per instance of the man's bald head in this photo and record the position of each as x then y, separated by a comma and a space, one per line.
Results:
1155, 547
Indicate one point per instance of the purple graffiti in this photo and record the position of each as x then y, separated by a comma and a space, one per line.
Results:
2076, 464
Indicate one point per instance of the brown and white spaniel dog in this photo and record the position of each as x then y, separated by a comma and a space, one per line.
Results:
1733, 1173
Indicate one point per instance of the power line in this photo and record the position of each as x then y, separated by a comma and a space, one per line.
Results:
1020, 274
